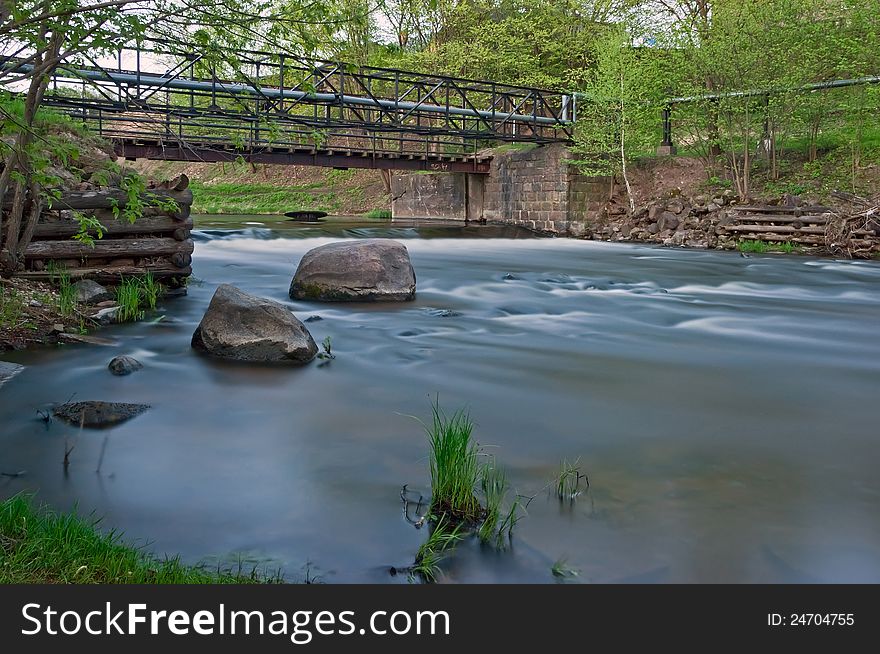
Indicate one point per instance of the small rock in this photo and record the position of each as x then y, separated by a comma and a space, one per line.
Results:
713, 206
124, 365
98, 414
655, 212
91, 292
653, 229
58, 328
106, 303
35, 303
108, 315
313, 319
675, 205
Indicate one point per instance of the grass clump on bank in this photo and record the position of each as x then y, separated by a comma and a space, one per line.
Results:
378, 214
39, 546
762, 247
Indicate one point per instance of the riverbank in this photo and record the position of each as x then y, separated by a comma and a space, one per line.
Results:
41, 546
241, 188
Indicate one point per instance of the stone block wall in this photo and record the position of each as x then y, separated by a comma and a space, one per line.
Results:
534, 187
429, 195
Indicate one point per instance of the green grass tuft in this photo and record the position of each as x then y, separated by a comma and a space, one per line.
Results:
762, 247
455, 469
443, 537
150, 290
128, 297
39, 546
570, 482
66, 294
378, 214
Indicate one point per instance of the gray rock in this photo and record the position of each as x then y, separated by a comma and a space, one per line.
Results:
667, 221
675, 205
359, 270
246, 328
107, 315
8, 371
124, 365
98, 414
91, 292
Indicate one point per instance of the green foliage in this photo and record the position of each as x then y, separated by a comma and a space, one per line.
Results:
327, 345
88, 225
39, 546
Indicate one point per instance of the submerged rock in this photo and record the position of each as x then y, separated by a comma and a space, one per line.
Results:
98, 414
124, 365
91, 292
8, 371
243, 327
360, 270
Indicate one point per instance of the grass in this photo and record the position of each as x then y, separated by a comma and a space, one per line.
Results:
457, 475
150, 290
561, 570
570, 482
11, 308
378, 214
259, 198
66, 295
443, 537
762, 247
38, 546
128, 297
455, 469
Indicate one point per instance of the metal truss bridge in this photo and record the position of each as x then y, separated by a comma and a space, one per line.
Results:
163, 102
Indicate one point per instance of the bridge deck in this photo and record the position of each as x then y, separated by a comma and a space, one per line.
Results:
335, 157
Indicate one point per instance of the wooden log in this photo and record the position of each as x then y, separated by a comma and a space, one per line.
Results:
785, 229
781, 208
107, 248
107, 198
112, 274
113, 227
815, 220
775, 229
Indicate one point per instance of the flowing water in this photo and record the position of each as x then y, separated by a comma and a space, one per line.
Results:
724, 408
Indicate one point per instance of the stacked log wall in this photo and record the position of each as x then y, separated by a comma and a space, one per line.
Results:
159, 241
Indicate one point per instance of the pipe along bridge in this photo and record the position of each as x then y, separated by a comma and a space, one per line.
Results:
160, 103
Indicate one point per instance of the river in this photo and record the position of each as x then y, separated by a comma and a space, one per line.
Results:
724, 408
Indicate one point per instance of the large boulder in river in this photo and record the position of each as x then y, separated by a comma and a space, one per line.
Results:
357, 270
248, 328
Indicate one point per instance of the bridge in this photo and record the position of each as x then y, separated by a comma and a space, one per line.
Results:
160, 102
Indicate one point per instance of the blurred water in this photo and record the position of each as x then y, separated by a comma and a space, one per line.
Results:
725, 409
